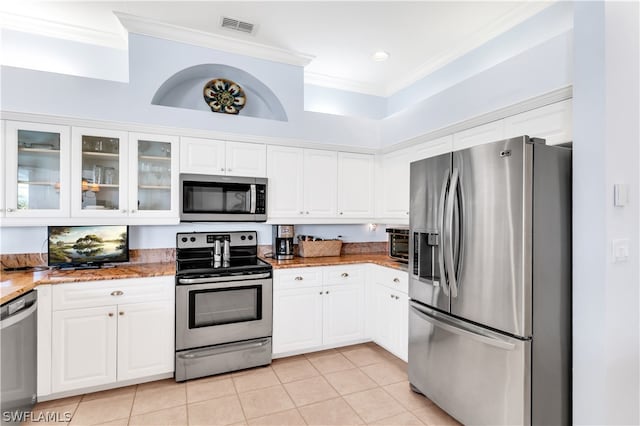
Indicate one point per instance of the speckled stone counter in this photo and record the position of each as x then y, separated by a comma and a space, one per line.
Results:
299, 262
13, 284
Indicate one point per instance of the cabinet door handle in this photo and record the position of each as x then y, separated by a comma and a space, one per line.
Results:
117, 293
298, 278
391, 295
344, 275
222, 169
121, 313
341, 213
326, 292
10, 210
320, 293
228, 170
407, 213
110, 314
124, 211
396, 280
133, 211
301, 212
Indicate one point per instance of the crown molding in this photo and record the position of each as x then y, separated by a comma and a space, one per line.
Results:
43, 27
338, 83
150, 27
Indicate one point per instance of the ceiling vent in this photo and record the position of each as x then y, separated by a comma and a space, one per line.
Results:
237, 25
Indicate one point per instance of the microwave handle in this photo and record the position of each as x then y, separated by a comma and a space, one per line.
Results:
253, 199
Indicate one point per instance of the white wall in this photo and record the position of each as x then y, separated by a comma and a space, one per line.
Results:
341, 102
606, 323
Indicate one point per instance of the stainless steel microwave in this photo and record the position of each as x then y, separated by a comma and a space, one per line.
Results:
399, 244
209, 198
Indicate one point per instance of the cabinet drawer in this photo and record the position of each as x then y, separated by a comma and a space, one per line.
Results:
112, 292
297, 278
343, 274
394, 279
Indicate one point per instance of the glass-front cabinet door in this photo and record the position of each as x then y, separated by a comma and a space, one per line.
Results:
153, 176
99, 175
37, 180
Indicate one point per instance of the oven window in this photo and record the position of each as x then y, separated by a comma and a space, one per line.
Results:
216, 197
224, 306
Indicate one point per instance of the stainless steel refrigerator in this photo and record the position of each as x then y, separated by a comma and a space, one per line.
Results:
490, 282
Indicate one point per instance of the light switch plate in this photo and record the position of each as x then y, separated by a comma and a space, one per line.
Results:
620, 250
620, 195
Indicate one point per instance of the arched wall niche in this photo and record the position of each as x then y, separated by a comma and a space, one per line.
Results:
184, 90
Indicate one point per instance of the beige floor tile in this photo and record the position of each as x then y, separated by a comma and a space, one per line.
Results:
158, 399
201, 390
117, 422
58, 415
265, 401
256, 379
401, 419
219, 411
176, 416
239, 373
409, 399
385, 373
287, 359
324, 352
308, 391
374, 404
331, 363
435, 416
295, 370
58, 402
160, 384
102, 410
350, 381
364, 355
331, 412
127, 390
284, 418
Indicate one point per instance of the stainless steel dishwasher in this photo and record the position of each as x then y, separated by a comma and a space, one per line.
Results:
18, 369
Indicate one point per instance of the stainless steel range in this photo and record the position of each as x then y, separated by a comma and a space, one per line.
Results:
224, 296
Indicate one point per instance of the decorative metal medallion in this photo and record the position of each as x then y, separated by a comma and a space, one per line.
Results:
224, 96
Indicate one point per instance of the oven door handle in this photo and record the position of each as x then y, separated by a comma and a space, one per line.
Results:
206, 280
222, 349
253, 199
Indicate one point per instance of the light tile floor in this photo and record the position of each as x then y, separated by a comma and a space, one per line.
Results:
353, 385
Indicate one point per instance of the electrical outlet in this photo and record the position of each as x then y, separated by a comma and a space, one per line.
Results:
620, 250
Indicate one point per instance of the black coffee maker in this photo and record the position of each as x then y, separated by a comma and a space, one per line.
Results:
283, 242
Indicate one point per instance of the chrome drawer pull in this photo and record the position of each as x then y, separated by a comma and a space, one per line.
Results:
396, 280
298, 278
117, 293
344, 275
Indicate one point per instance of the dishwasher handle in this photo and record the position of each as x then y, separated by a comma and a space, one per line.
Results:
18, 315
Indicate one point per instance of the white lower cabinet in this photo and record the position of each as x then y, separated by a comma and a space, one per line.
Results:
389, 309
102, 333
317, 307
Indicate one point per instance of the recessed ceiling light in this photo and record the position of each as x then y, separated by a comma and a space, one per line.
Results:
380, 56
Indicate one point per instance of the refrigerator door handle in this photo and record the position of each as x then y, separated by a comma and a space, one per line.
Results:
443, 194
448, 233
462, 329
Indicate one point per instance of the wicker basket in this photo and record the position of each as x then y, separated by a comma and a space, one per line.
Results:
319, 248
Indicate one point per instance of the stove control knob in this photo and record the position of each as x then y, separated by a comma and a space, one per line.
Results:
250, 237
243, 238
184, 239
193, 239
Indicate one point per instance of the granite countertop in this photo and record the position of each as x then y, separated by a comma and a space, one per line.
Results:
13, 284
381, 259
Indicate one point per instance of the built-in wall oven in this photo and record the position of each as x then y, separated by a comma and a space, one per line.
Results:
208, 198
224, 299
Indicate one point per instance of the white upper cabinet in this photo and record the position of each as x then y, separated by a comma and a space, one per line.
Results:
551, 122
355, 185
37, 177
214, 157
433, 148
3, 143
99, 174
153, 176
246, 159
393, 181
320, 183
204, 156
285, 169
490, 132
